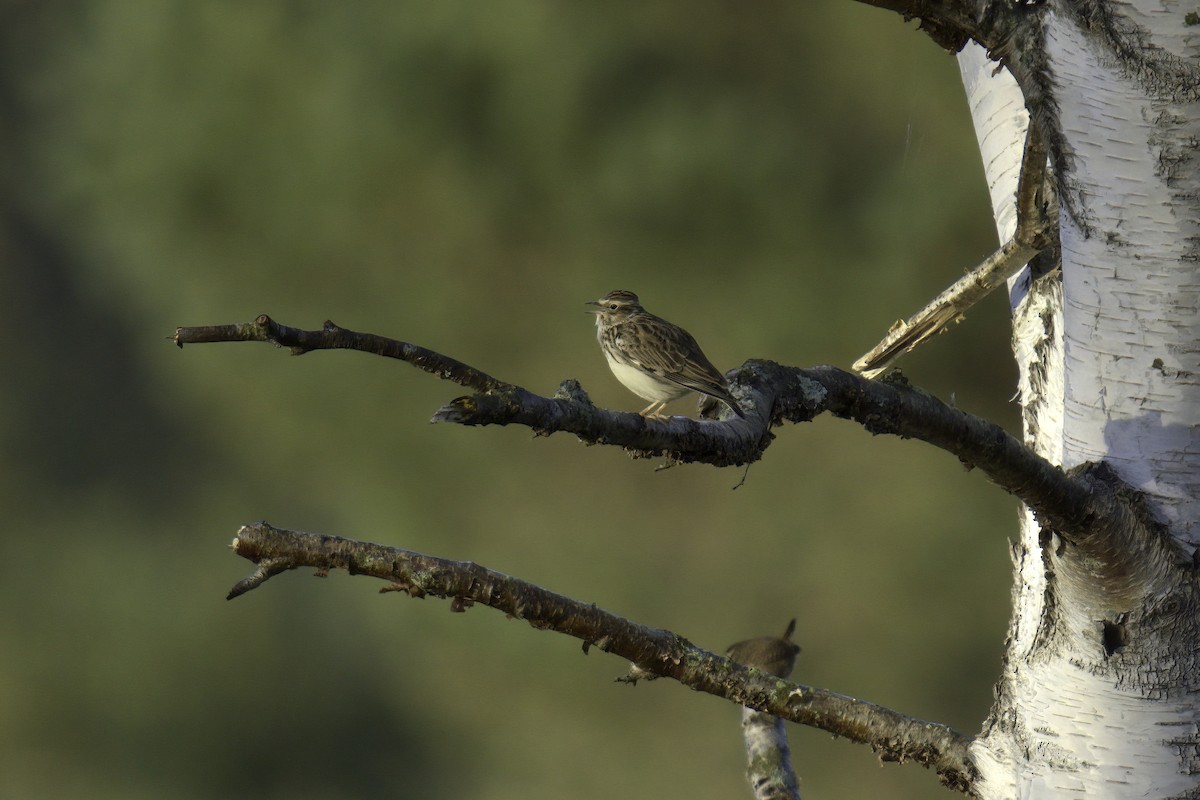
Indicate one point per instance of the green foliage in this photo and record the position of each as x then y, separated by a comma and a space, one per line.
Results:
783, 180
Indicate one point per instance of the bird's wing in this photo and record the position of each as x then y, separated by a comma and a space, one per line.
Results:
671, 353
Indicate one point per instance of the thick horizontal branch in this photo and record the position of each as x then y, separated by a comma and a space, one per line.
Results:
1082, 509
894, 736
1090, 507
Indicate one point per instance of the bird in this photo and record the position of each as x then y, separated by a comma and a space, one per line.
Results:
772, 654
655, 359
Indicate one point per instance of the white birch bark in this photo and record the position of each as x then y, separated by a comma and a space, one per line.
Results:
769, 761
1109, 363
1132, 308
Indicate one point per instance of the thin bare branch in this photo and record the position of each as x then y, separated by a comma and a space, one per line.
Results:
333, 337
1036, 229
894, 736
947, 308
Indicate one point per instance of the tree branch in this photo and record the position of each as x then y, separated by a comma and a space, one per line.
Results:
950, 23
893, 736
503, 403
947, 308
1083, 510
1037, 224
333, 337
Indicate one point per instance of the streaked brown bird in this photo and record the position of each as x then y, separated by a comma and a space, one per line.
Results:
773, 654
655, 359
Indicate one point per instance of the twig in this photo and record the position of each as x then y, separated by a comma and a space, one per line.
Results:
333, 337
894, 736
947, 308
1035, 226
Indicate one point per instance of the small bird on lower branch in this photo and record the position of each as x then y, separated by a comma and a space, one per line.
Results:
773, 654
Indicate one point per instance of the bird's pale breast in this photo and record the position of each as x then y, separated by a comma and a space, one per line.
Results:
644, 385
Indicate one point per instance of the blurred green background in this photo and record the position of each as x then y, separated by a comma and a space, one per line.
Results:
784, 179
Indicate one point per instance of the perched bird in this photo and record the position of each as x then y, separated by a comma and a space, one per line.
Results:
656, 360
773, 654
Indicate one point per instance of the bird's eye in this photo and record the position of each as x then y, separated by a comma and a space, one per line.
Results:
612, 306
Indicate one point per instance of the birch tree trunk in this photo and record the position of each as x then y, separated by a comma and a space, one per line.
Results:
1098, 692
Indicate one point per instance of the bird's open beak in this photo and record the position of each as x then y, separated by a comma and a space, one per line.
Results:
595, 303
